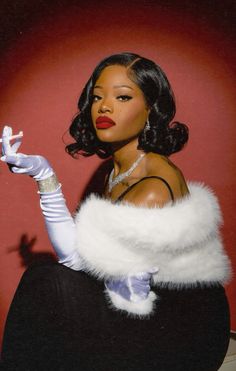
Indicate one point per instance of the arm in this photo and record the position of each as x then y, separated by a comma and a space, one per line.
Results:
59, 222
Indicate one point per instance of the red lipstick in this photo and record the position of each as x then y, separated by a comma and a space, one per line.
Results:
104, 122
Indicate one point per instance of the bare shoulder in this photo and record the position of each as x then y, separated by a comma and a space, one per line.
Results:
163, 183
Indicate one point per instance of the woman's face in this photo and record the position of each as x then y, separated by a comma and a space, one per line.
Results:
117, 98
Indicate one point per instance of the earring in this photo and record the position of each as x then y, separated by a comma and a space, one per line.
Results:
147, 126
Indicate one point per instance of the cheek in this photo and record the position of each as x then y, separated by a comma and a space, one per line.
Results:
93, 112
135, 116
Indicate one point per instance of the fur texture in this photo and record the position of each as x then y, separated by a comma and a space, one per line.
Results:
181, 239
141, 308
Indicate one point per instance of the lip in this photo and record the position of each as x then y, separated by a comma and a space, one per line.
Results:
104, 122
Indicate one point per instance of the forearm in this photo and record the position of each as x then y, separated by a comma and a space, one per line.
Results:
59, 222
47, 185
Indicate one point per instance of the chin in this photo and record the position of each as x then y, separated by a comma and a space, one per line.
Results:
117, 139
106, 136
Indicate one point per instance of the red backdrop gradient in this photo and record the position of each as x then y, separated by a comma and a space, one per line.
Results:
47, 57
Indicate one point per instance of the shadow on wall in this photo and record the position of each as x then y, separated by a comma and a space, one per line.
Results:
27, 255
26, 244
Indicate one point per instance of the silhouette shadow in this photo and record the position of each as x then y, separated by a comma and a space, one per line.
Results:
28, 256
25, 247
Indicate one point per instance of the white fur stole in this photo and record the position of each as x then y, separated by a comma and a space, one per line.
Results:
181, 239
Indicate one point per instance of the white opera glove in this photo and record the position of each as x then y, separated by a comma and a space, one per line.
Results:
36, 166
61, 228
133, 287
59, 222
132, 293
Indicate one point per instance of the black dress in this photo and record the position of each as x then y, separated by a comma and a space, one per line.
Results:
60, 320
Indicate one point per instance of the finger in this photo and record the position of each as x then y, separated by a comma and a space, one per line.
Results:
16, 145
17, 159
9, 159
19, 170
6, 147
7, 131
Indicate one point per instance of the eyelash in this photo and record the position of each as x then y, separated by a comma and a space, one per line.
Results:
125, 98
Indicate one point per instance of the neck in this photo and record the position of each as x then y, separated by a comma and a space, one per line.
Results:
125, 155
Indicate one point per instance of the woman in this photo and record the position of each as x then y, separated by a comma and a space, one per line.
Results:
152, 239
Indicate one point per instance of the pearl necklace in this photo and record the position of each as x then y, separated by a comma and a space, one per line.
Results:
119, 178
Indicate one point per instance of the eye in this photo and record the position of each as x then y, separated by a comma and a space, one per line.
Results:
96, 98
124, 98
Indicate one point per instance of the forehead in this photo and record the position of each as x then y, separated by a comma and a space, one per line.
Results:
113, 76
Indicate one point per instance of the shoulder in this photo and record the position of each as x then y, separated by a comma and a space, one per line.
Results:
163, 183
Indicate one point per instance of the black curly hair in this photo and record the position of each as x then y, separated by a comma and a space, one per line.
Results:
162, 137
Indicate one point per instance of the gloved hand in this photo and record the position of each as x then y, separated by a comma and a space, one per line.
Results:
133, 288
59, 222
36, 166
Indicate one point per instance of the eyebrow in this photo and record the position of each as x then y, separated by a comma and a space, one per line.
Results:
115, 86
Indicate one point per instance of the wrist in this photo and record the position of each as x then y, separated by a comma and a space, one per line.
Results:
48, 185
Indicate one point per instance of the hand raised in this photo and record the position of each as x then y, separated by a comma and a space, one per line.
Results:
33, 165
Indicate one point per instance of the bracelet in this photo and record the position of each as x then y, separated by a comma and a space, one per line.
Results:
48, 185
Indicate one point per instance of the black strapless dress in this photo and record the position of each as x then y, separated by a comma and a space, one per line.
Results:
60, 320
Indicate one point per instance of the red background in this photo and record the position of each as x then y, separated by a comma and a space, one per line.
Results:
48, 53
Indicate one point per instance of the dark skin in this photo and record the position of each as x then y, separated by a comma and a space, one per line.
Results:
152, 192
119, 98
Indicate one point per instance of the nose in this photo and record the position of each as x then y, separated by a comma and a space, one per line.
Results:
105, 106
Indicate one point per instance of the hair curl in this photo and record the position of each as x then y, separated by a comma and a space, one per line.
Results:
162, 137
